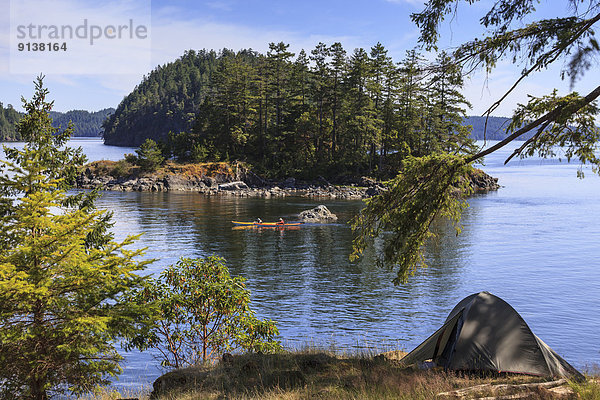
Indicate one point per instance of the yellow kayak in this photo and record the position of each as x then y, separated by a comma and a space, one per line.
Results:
266, 224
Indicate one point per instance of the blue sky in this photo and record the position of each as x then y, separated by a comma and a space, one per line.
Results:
178, 25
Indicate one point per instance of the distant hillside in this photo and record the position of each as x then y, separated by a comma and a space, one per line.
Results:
87, 124
166, 100
8, 119
496, 128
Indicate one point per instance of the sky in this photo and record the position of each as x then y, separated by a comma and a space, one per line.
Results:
93, 77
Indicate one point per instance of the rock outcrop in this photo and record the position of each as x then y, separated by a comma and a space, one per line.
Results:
318, 214
235, 180
482, 182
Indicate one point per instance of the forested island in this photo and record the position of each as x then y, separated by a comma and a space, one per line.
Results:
86, 123
319, 113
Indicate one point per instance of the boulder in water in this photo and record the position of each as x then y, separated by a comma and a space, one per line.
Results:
318, 214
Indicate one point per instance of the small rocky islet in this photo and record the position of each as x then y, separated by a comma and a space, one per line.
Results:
213, 179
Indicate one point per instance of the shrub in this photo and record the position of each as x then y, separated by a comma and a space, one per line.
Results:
201, 312
120, 169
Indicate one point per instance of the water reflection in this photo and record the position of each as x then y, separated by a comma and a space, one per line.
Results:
302, 278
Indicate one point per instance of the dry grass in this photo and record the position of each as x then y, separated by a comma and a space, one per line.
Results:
589, 390
104, 393
313, 373
116, 169
198, 169
317, 375
122, 168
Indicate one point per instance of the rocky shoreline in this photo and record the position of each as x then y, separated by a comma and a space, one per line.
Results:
246, 184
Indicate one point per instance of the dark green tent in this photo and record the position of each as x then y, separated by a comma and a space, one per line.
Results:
484, 333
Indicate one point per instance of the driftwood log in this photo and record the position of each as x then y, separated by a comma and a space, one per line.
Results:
506, 391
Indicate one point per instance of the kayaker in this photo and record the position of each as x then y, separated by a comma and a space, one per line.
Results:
280, 222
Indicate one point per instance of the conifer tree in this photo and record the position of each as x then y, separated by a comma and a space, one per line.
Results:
321, 85
448, 106
62, 277
338, 72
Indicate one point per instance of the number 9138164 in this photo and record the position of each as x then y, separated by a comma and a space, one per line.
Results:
42, 46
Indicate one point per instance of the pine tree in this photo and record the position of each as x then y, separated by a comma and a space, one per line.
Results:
359, 113
320, 93
278, 87
447, 108
412, 102
62, 276
149, 156
338, 72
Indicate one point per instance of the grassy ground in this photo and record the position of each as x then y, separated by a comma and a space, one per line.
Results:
324, 375
122, 168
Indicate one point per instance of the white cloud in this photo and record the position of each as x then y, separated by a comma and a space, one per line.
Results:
169, 43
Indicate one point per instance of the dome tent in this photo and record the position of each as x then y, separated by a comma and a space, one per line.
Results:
484, 333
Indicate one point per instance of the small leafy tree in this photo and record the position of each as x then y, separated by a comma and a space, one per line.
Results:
201, 312
62, 277
149, 156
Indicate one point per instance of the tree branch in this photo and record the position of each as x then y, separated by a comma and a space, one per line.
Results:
550, 116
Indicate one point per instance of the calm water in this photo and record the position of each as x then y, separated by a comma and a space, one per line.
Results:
534, 243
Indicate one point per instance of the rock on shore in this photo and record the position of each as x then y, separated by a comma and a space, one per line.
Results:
318, 214
244, 184
482, 182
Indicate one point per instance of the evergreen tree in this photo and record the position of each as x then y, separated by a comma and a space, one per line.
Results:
324, 114
412, 102
338, 72
360, 117
227, 116
302, 116
448, 109
320, 93
9, 117
149, 156
167, 100
278, 88
62, 277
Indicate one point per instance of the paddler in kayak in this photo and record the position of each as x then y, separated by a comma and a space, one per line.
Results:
281, 221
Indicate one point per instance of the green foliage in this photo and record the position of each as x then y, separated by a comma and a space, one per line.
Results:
588, 390
536, 45
188, 146
428, 187
149, 156
62, 277
201, 312
569, 134
121, 168
166, 100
